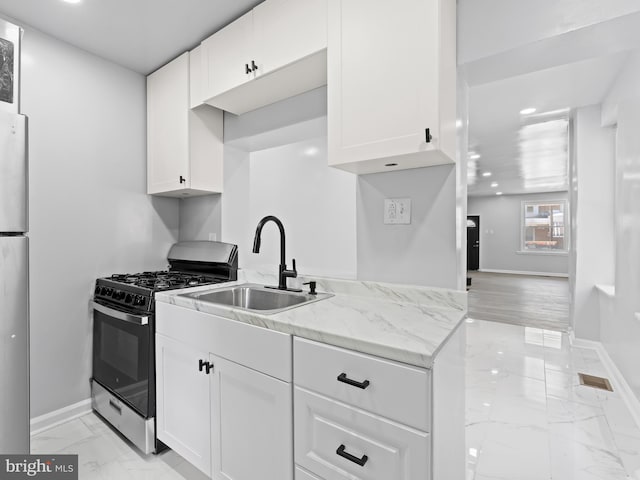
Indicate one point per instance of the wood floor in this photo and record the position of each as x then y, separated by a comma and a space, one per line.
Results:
541, 302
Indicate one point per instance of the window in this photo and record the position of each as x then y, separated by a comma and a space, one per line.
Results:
544, 226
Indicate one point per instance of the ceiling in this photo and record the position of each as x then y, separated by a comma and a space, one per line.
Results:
496, 127
558, 75
141, 35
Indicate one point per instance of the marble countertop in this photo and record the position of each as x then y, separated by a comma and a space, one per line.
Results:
405, 323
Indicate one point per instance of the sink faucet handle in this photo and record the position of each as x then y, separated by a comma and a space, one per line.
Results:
294, 265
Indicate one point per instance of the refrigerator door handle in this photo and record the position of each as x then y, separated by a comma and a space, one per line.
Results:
120, 315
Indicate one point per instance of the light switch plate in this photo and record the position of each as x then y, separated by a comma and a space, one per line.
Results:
397, 211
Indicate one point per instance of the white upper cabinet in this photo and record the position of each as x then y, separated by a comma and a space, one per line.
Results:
287, 31
276, 51
391, 76
228, 56
196, 85
184, 145
168, 126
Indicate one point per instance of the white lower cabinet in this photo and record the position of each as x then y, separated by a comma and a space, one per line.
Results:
224, 394
183, 404
338, 442
251, 424
241, 402
304, 475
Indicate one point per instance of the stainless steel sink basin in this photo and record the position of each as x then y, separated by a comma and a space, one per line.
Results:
256, 298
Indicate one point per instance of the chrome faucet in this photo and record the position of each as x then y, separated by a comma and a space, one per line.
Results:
283, 273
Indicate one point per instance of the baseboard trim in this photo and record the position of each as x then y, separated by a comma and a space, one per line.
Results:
60, 416
616, 377
521, 272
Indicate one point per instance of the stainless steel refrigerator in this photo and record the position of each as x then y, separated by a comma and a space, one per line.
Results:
14, 251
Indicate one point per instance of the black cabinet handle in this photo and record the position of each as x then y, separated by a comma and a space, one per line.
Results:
116, 407
427, 135
247, 70
182, 179
254, 67
203, 364
343, 378
359, 461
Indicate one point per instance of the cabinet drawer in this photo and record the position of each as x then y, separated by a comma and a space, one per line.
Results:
264, 350
303, 475
337, 442
396, 391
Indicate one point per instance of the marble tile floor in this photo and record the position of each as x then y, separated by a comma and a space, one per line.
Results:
527, 419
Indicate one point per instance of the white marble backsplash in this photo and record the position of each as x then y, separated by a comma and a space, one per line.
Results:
425, 296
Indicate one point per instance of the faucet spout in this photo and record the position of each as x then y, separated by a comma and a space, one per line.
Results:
283, 273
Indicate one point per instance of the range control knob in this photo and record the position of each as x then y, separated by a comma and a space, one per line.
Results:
142, 300
97, 291
128, 298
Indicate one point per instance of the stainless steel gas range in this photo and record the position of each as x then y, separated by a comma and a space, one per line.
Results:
123, 381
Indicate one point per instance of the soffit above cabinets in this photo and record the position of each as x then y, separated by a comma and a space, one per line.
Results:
141, 35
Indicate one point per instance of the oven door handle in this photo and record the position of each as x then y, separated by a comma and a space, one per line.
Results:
124, 316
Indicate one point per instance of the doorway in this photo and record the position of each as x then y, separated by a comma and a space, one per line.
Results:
473, 242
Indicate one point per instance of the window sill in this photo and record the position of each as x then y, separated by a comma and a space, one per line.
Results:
563, 253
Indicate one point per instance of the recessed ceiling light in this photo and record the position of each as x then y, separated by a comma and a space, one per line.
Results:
527, 111
494, 184
474, 156
498, 193
486, 174
72, 1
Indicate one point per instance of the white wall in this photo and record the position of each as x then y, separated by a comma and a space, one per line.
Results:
201, 217
493, 26
592, 199
620, 333
89, 214
422, 253
500, 225
315, 203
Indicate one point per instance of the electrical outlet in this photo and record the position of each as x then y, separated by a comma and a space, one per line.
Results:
397, 211
213, 236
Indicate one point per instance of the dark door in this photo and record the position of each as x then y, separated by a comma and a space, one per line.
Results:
473, 242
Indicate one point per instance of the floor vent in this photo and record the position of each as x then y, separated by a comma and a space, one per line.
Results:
595, 382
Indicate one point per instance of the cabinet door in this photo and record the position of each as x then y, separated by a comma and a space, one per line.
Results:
382, 78
227, 53
182, 403
251, 424
196, 93
167, 126
287, 31
337, 442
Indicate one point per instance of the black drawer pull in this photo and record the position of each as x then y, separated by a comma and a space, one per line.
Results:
116, 407
343, 378
359, 461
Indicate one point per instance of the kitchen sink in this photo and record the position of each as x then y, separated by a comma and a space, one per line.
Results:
256, 298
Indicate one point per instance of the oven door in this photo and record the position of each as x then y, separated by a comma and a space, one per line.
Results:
122, 355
